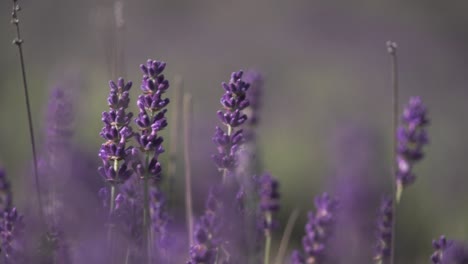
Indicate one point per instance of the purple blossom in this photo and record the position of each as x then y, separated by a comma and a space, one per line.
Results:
151, 118
384, 230
412, 137
11, 227
269, 200
449, 252
234, 101
114, 152
207, 233
318, 230
5, 193
254, 95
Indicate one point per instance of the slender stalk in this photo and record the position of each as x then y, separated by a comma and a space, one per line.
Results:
18, 41
392, 50
174, 139
286, 236
266, 258
187, 110
146, 226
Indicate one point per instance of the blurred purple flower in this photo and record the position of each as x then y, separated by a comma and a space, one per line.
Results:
269, 201
207, 233
5, 193
318, 229
449, 252
412, 137
384, 230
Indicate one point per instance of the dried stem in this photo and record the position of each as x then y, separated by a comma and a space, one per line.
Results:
174, 138
187, 110
286, 236
392, 50
19, 42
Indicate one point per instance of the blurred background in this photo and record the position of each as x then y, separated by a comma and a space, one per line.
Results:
326, 72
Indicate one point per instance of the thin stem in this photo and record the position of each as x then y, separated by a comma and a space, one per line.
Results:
188, 166
18, 42
174, 139
127, 255
146, 207
266, 259
392, 50
286, 236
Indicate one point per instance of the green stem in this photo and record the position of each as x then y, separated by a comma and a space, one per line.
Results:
266, 259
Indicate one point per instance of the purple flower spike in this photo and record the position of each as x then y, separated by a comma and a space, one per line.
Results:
151, 118
449, 251
114, 153
5, 193
254, 95
269, 200
11, 226
384, 230
234, 101
412, 137
318, 229
207, 233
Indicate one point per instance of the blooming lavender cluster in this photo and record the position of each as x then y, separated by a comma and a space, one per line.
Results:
138, 205
151, 116
115, 153
318, 230
412, 137
228, 142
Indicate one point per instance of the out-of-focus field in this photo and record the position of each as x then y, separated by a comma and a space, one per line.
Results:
325, 67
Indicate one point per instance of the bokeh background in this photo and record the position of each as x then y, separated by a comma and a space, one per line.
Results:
326, 69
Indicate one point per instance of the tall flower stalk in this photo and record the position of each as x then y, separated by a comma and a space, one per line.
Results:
18, 41
408, 142
151, 120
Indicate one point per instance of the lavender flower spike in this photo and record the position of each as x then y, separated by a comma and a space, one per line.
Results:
11, 224
269, 204
234, 101
384, 231
151, 118
318, 230
449, 252
412, 137
114, 153
207, 234
5, 193
269, 200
